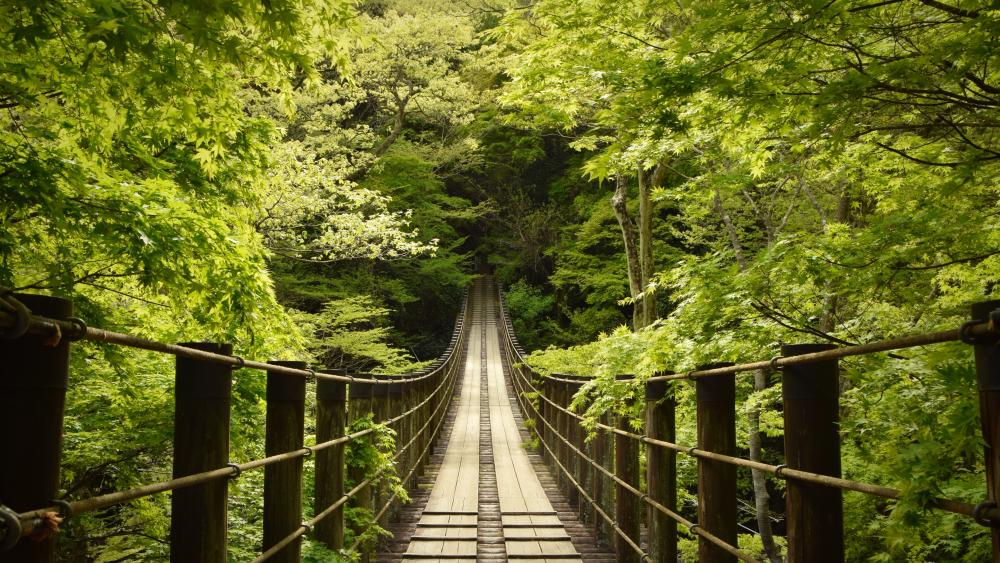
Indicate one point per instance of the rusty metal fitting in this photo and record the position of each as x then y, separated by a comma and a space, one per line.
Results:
79, 329
963, 332
22, 316
977, 514
10, 528
237, 470
65, 509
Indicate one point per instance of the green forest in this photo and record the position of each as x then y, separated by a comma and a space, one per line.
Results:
657, 186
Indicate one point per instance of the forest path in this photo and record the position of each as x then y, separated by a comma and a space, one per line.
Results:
487, 502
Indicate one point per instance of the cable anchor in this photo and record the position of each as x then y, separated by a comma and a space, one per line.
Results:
10, 528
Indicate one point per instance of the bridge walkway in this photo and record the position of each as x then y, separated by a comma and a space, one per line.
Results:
487, 502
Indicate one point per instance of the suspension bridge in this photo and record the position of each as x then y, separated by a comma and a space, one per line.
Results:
497, 464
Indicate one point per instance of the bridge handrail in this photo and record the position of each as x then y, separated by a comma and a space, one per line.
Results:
305, 528
982, 329
524, 386
77, 330
16, 321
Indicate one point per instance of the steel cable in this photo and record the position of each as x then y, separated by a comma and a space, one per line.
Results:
304, 529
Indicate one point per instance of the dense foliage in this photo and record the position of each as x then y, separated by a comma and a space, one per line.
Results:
658, 185
826, 172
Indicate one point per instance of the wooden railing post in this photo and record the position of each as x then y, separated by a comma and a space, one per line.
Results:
406, 432
397, 407
415, 391
545, 390
360, 406
33, 380
201, 442
331, 416
987, 354
285, 424
381, 407
426, 414
661, 471
814, 513
581, 469
603, 490
716, 416
565, 456
626, 503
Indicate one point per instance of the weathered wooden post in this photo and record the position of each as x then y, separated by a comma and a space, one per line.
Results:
416, 390
581, 469
626, 503
716, 416
360, 406
33, 380
603, 491
331, 416
407, 429
987, 354
285, 424
814, 513
565, 455
661, 470
396, 408
400, 404
545, 390
201, 443
381, 408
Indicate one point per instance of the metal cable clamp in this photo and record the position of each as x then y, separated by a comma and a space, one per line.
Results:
11, 528
22, 316
977, 514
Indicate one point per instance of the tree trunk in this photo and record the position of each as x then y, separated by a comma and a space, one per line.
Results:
762, 498
619, 202
646, 185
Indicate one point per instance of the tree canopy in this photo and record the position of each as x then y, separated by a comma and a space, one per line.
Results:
657, 185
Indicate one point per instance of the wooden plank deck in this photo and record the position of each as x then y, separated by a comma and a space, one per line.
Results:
525, 510
486, 445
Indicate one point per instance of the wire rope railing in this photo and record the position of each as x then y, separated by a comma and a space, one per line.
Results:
309, 525
812, 470
35, 337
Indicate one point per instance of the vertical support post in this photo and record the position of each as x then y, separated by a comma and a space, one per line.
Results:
582, 470
285, 424
987, 354
380, 406
661, 470
599, 449
815, 514
415, 392
421, 391
331, 416
574, 431
202, 397
396, 407
523, 376
562, 427
626, 503
716, 416
408, 428
33, 380
360, 406
546, 410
